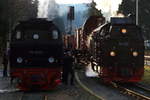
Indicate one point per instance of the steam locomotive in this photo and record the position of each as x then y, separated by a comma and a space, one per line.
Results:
36, 50
117, 51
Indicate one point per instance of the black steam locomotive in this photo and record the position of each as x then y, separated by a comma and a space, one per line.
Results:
117, 51
36, 50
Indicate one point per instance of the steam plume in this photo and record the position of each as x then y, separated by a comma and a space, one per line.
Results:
43, 8
50, 9
109, 7
53, 9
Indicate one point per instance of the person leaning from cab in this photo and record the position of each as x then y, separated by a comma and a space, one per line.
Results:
68, 70
5, 63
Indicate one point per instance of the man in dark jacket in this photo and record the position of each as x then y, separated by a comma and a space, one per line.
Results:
68, 68
5, 64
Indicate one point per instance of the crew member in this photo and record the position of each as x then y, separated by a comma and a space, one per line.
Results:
68, 70
5, 64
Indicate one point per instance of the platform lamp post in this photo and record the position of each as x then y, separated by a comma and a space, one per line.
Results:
137, 11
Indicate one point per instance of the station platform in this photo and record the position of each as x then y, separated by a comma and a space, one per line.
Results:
5, 85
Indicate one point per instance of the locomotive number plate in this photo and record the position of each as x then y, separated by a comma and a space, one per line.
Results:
36, 52
123, 43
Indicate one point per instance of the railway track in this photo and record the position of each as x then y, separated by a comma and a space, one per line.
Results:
135, 91
139, 92
62, 92
98, 89
33, 96
143, 87
45, 97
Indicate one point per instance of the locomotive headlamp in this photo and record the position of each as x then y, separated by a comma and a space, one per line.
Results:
135, 53
112, 53
51, 60
19, 60
124, 31
35, 36
55, 34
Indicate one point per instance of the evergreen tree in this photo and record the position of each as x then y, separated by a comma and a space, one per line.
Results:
92, 11
3, 23
11, 12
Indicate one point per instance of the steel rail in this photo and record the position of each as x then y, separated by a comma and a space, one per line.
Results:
45, 97
21, 97
142, 87
131, 92
86, 88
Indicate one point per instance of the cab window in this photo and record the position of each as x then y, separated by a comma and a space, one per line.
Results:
55, 34
18, 35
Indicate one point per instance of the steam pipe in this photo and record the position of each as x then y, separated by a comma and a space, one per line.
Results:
137, 11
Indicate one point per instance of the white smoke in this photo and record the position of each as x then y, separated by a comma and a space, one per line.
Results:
89, 72
72, 1
50, 9
43, 8
109, 8
53, 9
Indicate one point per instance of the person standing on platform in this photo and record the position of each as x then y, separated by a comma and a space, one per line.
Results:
5, 64
68, 70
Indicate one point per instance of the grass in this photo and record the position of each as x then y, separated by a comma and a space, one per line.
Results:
146, 77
